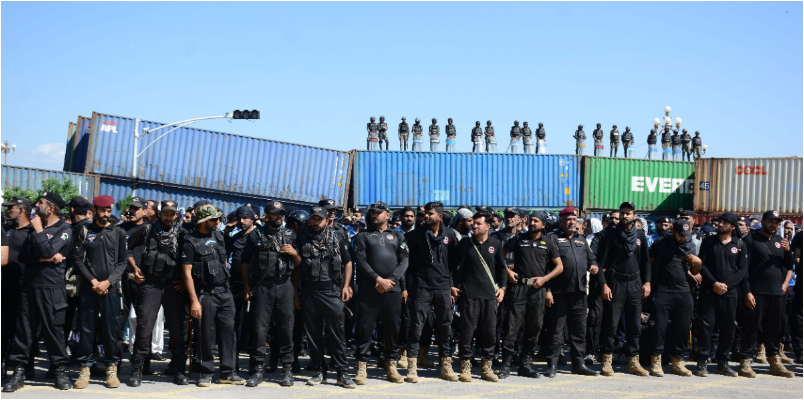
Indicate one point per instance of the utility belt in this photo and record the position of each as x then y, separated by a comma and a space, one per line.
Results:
523, 281
623, 277
272, 282
213, 290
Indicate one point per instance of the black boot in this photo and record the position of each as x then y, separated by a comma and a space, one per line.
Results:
178, 377
584, 370
136, 371
551, 369
505, 369
701, 371
17, 380
525, 368
62, 382
287, 375
272, 365
257, 377
724, 369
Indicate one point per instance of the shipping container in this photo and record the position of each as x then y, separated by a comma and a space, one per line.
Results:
599, 215
70, 148
653, 186
401, 178
218, 161
701, 218
80, 144
31, 178
119, 188
748, 185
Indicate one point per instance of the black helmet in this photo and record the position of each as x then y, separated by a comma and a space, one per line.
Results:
418, 120
628, 128
516, 121
299, 217
381, 117
525, 123
488, 122
598, 124
449, 119
372, 118
434, 120
684, 130
552, 221
541, 124
580, 127
403, 118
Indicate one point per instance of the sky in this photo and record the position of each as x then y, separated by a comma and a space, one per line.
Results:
318, 71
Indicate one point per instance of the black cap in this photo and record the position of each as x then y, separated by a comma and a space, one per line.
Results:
320, 211
22, 201
511, 210
486, 209
729, 217
379, 206
55, 199
683, 227
662, 219
79, 203
245, 212
772, 214
275, 207
328, 204
540, 215
138, 202
166, 205
687, 213
628, 204
200, 203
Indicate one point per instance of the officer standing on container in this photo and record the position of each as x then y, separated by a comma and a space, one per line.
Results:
451, 132
675, 140
373, 134
541, 137
404, 132
686, 145
614, 140
159, 275
417, 136
580, 140
597, 135
206, 279
566, 295
322, 284
628, 140
770, 268
383, 128
652, 152
667, 151
43, 297
491, 141
697, 145
434, 134
623, 257
381, 255
516, 139
267, 263
533, 255
477, 138
527, 139
724, 265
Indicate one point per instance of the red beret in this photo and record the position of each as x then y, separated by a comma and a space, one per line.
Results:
568, 211
103, 201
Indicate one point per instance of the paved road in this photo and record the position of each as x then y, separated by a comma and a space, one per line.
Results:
565, 385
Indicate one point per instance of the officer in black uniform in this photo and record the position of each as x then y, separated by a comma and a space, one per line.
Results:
540, 136
623, 257
516, 137
417, 134
383, 128
686, 145
137, 220
614, 141
372, 128
18, 212
652, 145
597, 135
266, 265
206, 279
675, 141
580, 139
667, 151
160, 284
477, 137
533, 256
511, 219
724, 265
404, 132
697, 145
490, 139
381, 255
566, 295
244, 218
628, 140
322, 287
434, 131
527, 138
80, 214
339, 228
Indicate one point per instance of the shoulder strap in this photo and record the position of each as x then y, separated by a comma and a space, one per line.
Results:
486, 267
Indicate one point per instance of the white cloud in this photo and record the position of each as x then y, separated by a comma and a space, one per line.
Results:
44, 156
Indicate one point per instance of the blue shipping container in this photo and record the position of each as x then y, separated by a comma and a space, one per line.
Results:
80, 143
219, 161
184, 197
497, 180
31, 178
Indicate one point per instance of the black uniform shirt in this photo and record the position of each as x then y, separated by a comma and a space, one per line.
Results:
53, 239
768, 264
132, 230
14, 270
503, 237
726, 263
235, 246
577, 258
324, 282
429, 257
188, 250
469, 274
671, 267
612, 254
380, 253
531, 256
94, 255
246, 253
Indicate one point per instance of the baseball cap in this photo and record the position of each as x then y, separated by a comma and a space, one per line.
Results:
319, 211
511, 210
19, 200
168, 205
486, 209
628, 204
54, 198
207, 212
687, 213
772, 214
568, 211
729, 217
103, 201
275, 207
328, 204
682, 227
138, 202
379, 206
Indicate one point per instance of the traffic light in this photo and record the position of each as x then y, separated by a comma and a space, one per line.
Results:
246, 114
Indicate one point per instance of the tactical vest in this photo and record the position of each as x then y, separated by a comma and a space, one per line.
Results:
676, 140
383, 127
417, 129
477, 131
540, 133
434, 129
614, 136
527, 132
314, 258
490, 131
696, 141
627, 137
266, 258
598, 134
209, 263
665, 137
515, 131
450, 130
372, 127
156, 261
651, 139
403, 128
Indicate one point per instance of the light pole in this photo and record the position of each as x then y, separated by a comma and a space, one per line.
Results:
5, 148
237, 114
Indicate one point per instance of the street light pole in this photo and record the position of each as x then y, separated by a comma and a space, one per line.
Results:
5, 148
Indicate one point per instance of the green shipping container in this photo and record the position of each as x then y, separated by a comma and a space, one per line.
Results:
663, 186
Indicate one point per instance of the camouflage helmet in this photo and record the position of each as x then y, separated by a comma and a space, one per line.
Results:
207, 212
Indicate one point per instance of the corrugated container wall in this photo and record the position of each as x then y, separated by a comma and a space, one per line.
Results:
748, 185
70, 149
219, 161
120, 188
653, 186
80, 144
31, 178
414, 178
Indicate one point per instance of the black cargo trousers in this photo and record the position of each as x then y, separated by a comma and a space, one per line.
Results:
152, 294
272, 300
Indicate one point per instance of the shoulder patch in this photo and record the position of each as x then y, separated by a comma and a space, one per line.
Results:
778, 245
734, 250
65, 236
389, 236
446, 240
639, 242
491, 250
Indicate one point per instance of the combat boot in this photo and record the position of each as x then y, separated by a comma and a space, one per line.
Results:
361, 375
391, 372
83, 378
17, 380
761, 357
62, 382
701, 371
525, 369
424, 361
287, 375
783, 357
257, 377
745, 369
606, 369
447, 373
111, 377
656, 366
487, 374
723, 368
505, 369
778, 369
136, 372
412, 376
678, 367
634, 367
466, 370
403, 359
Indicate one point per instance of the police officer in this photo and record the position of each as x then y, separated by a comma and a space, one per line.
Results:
339, 228
686, 145
491, 141
479, 279
383, 129
614, 140
580, 140
597, 135
451, 132
137, 213
511, 219
80, 214
206, 279
322, 284
381, 255
652, 152
724, 265
266, 265
697, 145
100, 254
672, 257
516, 138
534, 254
628, 140
434, 134
404, 131
541, 136
373, 132
675, 140
417, 136
244, 219
527, 138
43, 292
667, 151
431, 246
477, 138
566, 295
623, 256
770, 268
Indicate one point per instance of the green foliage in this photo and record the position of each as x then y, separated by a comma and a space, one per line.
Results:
122, 204
66, 189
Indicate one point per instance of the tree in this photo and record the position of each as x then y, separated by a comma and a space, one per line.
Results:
65, 188
122, 204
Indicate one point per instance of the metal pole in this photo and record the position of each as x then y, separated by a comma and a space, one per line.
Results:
134, 164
